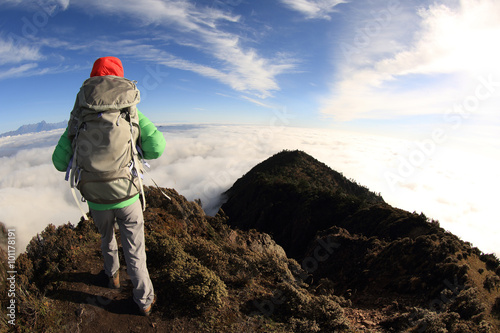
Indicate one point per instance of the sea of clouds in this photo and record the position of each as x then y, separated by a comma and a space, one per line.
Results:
455, 186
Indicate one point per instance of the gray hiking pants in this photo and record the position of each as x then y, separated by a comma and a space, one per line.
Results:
131, 223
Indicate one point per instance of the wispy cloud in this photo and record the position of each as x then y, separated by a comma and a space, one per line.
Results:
450, 49
314, 9
243, 71
256, 102
23, 57
32, 69
15, 53
23, 70
199, 27
47, 6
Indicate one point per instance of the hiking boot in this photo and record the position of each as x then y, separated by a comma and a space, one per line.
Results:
147, 311
114, 281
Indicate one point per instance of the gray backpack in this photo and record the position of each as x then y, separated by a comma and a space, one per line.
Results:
104, 129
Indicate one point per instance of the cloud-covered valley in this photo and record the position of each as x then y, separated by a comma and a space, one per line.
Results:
455, 186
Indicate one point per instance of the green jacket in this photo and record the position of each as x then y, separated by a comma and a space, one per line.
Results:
152, 144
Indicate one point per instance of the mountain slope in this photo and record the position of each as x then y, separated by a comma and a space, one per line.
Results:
342, 232
292, 196
207, 278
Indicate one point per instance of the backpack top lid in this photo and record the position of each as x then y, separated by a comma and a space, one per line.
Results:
107, 88
107, 66
105, 93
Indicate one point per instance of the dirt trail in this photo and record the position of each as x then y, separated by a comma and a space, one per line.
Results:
89, 305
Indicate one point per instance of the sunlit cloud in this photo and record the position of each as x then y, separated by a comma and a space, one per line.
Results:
451, 40
451, 49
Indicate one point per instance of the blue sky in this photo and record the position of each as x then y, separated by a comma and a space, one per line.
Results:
395, 66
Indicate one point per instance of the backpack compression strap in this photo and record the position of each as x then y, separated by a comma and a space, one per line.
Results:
135, 160
72, 176
146, 172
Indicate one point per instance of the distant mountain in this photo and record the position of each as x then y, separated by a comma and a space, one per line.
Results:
35, 128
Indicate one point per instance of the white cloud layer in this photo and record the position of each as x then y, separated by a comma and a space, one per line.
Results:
454, 186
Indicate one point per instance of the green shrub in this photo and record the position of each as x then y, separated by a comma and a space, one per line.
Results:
491, 261
467, 304
323, 310
52, 251
302, 325
196, 285
182, 278
37, 314
209, 254
492, 282
496, 308
163, 249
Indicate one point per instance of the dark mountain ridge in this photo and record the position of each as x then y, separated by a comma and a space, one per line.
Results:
349, 263
293, 196
375, 250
